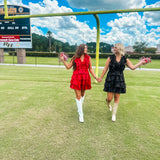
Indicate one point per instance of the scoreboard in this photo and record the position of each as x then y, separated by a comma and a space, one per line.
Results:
15, 33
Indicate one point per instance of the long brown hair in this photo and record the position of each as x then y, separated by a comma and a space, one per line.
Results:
78, 54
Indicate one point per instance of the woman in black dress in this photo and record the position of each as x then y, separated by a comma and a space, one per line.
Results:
115, 83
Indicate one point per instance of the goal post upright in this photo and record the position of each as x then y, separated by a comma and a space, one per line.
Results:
5, 8
97, 43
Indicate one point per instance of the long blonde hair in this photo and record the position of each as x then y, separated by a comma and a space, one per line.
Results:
120, 48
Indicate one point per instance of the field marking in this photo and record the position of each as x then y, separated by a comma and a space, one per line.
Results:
62, 66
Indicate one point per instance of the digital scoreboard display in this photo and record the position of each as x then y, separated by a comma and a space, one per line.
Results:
15, 33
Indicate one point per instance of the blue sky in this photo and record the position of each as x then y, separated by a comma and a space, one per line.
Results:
126, 28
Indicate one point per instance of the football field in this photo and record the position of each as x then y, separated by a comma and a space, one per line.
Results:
39, 119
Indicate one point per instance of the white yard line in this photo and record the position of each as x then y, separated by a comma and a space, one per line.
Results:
62, 66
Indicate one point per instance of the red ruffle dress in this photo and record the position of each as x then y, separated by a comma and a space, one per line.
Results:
81, 79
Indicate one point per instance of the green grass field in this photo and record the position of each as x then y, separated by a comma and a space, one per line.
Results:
39, 119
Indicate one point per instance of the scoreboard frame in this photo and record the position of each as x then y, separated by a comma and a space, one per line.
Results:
15, 33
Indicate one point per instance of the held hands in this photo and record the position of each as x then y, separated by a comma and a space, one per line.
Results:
99, 79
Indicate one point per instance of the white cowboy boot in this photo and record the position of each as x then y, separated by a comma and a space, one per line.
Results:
115, 108
80, 110
109, 105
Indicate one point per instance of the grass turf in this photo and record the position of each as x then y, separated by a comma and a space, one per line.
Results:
39, 119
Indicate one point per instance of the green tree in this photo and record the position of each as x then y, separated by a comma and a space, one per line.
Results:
104, 47
37, 48
41, 43
55, 45
150, 50
139, 46
59, 46
49, 36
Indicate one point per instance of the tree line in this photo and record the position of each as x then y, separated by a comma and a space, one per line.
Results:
49, 44
141, 47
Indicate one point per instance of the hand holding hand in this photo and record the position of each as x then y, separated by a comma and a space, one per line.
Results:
99, 79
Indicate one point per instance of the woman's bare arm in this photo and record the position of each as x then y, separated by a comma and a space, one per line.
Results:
133, 67
91, 69
105, 68
68, 66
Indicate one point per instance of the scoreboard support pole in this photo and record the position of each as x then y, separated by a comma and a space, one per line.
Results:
21, 56
1, 55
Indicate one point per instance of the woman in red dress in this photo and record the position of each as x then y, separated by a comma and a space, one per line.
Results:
81, 80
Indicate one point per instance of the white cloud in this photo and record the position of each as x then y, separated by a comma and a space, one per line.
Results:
107, 4
64, 28
128, 29
52, 23
47, 6
153, 18
129, 22
79, 35
34, 29
155, 29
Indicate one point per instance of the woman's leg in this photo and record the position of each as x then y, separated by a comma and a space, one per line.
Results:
115, 106
116, 98
82, 95
78, 94
109, 99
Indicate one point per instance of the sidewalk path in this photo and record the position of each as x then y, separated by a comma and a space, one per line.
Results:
62, 66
